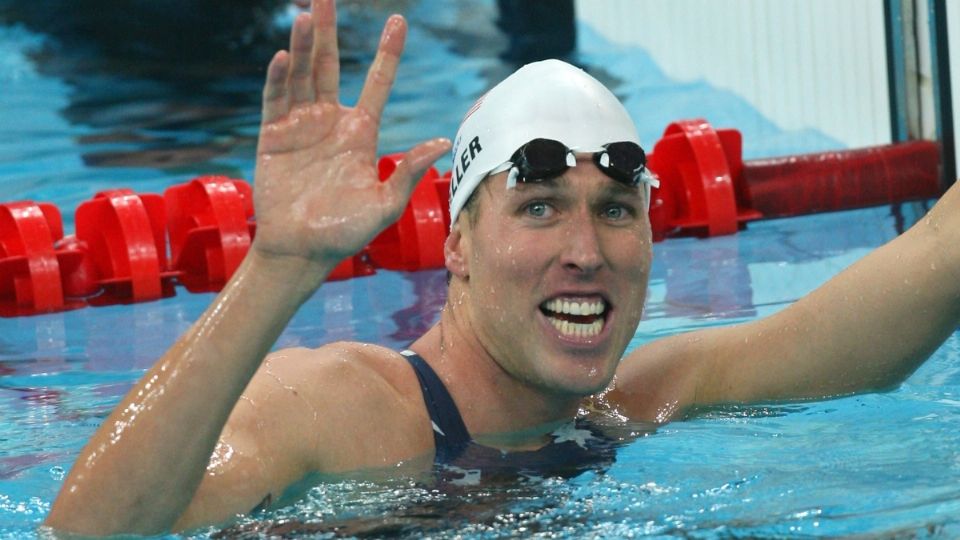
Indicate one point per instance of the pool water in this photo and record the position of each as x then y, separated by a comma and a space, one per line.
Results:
75, 120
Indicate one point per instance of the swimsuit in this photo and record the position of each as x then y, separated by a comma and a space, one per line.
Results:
456, 493
576, 447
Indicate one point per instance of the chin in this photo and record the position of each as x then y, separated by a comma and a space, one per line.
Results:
581, 378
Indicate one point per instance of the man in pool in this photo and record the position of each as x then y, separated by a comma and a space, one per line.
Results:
549, 256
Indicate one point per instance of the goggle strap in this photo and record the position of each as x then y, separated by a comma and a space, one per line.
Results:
649, 181
649, 178
512, 177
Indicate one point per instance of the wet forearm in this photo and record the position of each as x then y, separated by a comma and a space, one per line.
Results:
879, 321
139, 471
876, 322
866, 329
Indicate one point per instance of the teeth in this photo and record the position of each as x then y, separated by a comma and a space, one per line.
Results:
577, 330
575, 308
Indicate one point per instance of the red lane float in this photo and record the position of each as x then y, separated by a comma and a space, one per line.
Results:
701, 186
29, 269
207, 220
119, 252
124, 237
707, 189
415, 241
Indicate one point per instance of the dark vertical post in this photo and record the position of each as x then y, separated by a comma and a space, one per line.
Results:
538, 29
896, 69
940, 58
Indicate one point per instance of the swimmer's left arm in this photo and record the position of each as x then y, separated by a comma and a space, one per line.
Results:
866, 329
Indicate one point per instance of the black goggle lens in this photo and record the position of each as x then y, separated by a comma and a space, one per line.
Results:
540, 159
626, 161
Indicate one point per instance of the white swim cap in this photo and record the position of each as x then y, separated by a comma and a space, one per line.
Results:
550, 100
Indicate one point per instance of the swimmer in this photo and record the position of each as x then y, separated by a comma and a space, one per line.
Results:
549, 256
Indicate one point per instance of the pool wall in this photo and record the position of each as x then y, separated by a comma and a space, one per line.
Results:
861, 72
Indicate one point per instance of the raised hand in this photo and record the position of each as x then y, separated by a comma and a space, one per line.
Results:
318, 199
317, 195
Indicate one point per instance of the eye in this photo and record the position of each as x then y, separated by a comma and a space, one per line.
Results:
538, 209
616, 212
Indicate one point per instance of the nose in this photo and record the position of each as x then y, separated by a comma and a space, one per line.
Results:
582, 253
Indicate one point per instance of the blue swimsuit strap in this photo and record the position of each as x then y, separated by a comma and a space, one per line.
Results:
450, 435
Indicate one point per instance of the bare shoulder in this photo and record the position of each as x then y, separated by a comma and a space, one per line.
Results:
342, 371
340, 359
355, 405
342, 407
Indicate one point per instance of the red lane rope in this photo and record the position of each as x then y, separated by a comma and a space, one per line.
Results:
119, 253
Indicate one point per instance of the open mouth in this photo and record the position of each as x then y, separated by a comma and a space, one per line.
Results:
576, 318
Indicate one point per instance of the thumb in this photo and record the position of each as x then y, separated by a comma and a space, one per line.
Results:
414, 163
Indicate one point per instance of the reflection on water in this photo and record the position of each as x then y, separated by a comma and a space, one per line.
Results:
747, 411
739, 277
176, 85
407, 508
430, 293
152, 74
718, 285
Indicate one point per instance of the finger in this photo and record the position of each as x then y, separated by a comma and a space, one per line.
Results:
326, 54
380, 77
301, 45
275, 98
414, 163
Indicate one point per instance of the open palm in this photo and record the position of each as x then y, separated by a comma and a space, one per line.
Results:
317, 194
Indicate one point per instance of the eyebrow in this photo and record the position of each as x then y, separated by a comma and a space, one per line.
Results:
616, 188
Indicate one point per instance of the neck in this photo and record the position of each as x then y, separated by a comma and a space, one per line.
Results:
499, 409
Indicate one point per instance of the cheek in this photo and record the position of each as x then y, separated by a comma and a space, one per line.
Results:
631, 262
513, 257
506, 276
630, 250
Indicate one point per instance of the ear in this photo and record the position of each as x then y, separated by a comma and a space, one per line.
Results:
454, 250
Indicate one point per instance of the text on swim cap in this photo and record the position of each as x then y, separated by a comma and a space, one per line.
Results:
465, 159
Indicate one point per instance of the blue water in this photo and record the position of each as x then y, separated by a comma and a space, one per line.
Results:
73, 123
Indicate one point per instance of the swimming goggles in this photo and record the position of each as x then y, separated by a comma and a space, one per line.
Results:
541, 159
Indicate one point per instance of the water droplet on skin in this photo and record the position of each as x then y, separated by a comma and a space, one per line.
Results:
220, 458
